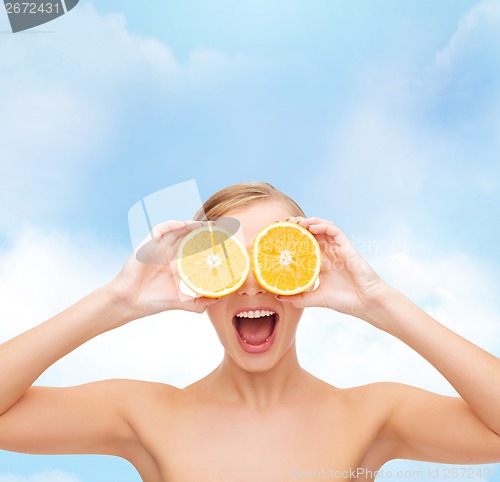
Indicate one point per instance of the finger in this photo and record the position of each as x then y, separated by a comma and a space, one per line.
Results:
174, 235
175, 229
158, 230
331, 236
154, 250
166, 226
314, 221
166, 237
326, 228
294, 219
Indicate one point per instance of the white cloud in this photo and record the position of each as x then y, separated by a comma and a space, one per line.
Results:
52, 476
66, 95
462, 85
477, 32
458, 289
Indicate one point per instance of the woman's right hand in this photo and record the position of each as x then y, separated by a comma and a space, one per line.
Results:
149, 283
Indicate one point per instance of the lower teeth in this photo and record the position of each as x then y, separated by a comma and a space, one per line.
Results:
267, 339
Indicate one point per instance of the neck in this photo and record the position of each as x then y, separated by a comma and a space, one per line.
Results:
264, 389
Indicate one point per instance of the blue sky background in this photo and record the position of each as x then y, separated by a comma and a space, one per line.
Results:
382, 116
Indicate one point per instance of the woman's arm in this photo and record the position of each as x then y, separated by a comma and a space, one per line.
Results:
431, 427
90, 418
419, 424
58, 420
473, 372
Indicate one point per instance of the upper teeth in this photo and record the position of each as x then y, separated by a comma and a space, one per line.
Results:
254, 314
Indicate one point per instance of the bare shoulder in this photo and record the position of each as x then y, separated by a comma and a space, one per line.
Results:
95, 417
142, 388
375, 402
366, 407
378, 393
380, 399
371, 406
128, 393
138, 396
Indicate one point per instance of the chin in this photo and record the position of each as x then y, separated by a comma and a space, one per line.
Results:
263, 362
256, 366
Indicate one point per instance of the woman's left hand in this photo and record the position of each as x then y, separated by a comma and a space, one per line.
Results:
347, 282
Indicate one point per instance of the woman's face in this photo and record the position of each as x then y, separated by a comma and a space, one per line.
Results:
253, 338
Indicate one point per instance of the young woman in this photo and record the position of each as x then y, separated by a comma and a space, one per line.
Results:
258, 416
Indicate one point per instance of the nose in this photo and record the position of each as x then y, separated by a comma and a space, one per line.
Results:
251, 287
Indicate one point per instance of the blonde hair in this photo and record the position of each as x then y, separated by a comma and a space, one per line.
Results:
241, 195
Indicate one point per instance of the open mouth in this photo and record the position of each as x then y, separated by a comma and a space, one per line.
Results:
255, 328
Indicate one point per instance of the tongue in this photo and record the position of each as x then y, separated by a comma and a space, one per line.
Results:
256, 330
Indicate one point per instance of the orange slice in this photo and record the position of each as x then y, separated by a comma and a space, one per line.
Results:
286, 258
212, 261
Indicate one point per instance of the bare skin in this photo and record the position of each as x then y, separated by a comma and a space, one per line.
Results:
255, 417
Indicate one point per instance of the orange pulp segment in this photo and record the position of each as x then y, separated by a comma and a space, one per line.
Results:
212, 261
286, 258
